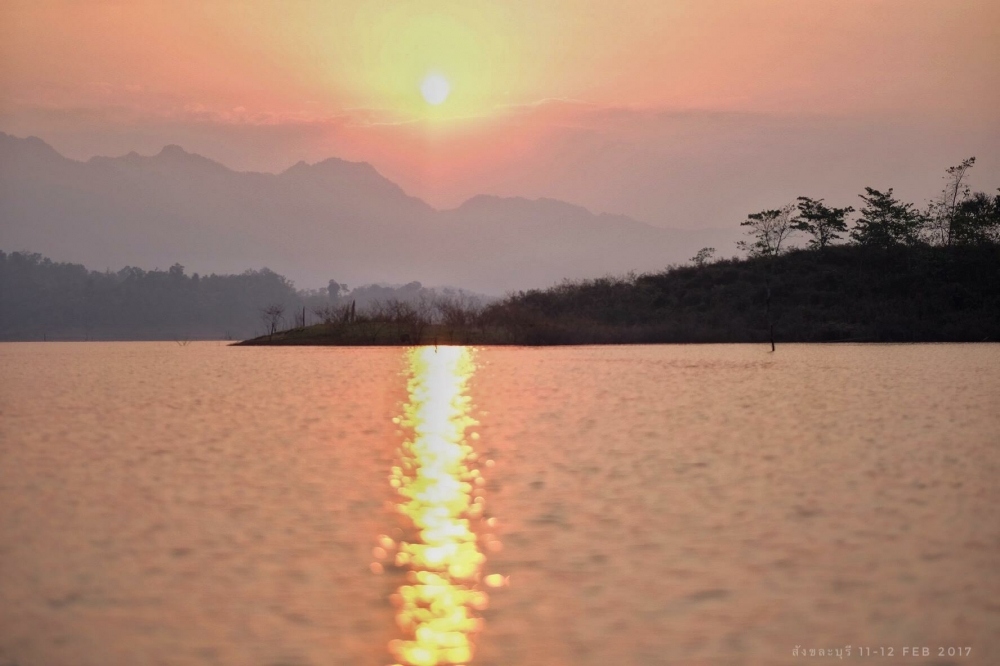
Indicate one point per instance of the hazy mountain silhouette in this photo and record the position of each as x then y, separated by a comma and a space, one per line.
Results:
334, 219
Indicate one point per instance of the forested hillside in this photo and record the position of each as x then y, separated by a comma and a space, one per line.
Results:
845, 293
42, 299
893, 273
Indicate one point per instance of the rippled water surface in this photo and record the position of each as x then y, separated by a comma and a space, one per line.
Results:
203, 504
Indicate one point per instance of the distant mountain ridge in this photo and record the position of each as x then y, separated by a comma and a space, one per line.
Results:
312, 222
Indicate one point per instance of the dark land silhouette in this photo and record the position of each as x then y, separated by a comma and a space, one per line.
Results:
842, 294
896, 274
45, 300
812, 272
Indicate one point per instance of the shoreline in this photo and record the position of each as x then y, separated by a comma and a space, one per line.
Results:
320, 335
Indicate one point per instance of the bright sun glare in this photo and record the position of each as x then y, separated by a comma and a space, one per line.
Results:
435, 89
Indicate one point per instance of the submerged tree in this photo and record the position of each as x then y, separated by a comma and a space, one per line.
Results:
770, 230
886, 222
823, 223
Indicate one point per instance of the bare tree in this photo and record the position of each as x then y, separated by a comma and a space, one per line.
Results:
272, 315
457, 311
770, 230
333, 314
943, 211
375, 317
703, 257
411, 317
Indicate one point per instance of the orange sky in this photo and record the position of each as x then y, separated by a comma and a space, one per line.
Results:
539, 89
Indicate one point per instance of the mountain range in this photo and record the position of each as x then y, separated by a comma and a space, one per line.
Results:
312, 222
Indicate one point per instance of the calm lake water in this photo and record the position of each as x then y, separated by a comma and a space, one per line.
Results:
205, 504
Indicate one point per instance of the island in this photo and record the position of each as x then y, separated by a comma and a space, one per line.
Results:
838, 293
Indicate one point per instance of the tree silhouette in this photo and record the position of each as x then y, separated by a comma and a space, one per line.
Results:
703, 256
942, 213
886, 222
977, 220
769, 229
823, 223
272, 315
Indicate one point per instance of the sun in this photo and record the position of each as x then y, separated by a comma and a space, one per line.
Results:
435, 89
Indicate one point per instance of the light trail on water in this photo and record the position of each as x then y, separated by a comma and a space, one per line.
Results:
439, 489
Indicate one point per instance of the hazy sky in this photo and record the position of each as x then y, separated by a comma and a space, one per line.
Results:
634, 106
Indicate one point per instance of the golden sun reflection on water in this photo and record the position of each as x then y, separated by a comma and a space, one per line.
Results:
440, 492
